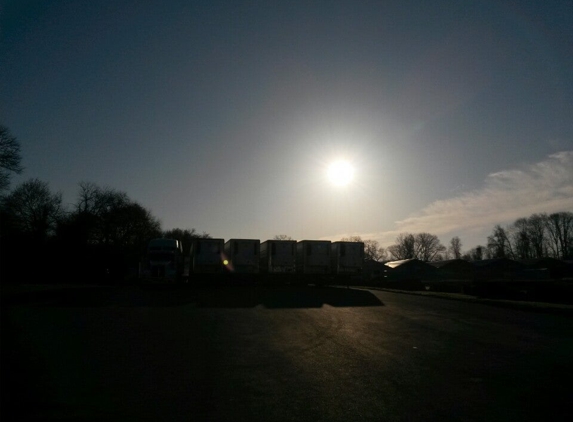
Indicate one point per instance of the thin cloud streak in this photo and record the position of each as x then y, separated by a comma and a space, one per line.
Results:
546, 186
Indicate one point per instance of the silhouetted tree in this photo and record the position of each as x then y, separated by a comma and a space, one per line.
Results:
404, 248
29, 218
9, 157
498, 243
475, 254
33, 210
559, 227
423, 246
520, 238
427, 246
352, 239
108, 217
372, 249
537, 234
110, 231
455, 249
130, 225
374, 252
282, 237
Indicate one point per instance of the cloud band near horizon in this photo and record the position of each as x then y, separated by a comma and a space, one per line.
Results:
542, 187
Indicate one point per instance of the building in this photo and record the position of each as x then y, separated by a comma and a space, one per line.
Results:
410, 269
455, 269
498, 269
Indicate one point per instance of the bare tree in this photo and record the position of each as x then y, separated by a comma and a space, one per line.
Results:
404, 248
520, 238
352, 239
455, 249
478, 253
33, 209
282, 237
130, 225
9, 157
108, 217
534, 237
95, 211
89, 198
475, 254
423, 246
372, 249
498, 243
560, 230
444, 256
536, 224
428, 246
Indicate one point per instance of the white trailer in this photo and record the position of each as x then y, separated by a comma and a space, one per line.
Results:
313, 256
242, 255
347, 257
206, 256
163, 262
278, 257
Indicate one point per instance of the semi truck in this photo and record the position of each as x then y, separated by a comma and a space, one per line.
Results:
206, 256
313, 256
242, 255
163, 262
347, 258
278, 257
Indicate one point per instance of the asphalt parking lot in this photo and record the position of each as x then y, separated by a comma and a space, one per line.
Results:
278, 353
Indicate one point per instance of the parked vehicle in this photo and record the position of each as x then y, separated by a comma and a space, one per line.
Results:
313, 257
278, 257
347, 258
163, 262
206, 256
242, 255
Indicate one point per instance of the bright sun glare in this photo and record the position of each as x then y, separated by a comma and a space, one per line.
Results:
340, 173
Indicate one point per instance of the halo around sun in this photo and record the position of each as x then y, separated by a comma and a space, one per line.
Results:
340, 173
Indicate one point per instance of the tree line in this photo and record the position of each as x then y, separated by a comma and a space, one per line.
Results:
540, 235
103, 234
537, 236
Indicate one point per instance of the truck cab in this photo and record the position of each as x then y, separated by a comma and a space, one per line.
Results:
163, 261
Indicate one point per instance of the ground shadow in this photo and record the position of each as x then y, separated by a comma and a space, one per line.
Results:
276, 297
220, 296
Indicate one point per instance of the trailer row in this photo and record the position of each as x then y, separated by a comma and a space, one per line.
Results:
165, 261
276, 256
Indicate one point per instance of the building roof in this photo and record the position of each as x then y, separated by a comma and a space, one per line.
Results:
451, 263
497, 262
406, 263
368, 263
394, 264
543, 263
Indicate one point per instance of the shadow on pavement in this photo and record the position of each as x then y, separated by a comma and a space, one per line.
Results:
68, 296
271, 297
287, 297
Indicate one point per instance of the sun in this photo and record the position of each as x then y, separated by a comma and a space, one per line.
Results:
340, 173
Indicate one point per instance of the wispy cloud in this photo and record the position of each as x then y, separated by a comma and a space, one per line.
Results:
546, 186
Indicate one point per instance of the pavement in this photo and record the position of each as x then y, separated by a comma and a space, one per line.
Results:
278, 354
555, 308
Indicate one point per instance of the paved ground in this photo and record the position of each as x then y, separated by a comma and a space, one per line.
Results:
278, 354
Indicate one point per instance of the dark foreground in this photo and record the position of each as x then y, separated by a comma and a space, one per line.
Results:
278, 354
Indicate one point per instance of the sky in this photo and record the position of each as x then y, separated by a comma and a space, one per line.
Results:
223, 116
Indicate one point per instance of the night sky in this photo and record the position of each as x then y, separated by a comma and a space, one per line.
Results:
223, 115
